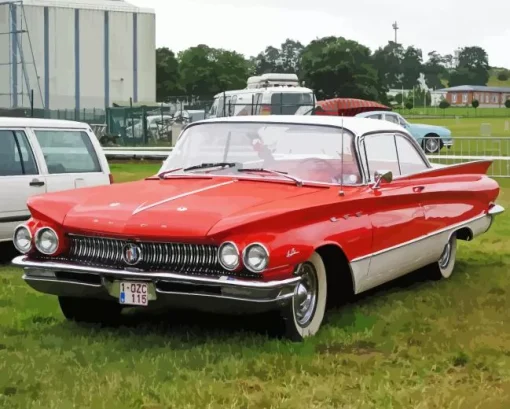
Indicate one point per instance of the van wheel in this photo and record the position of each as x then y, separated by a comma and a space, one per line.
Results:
304, 315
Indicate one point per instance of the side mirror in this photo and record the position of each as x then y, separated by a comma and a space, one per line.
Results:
382, 176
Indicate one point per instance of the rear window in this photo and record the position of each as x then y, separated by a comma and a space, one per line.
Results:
68, 151
283, 103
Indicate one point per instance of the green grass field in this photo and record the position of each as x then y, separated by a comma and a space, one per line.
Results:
452, 112
412, 344
124, 172
468, 126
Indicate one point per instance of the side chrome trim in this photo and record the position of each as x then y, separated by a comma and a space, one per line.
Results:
22, 261
384, 266
426, 236
141, 208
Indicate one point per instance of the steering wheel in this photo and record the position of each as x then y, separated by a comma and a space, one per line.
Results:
320, 160
334, 171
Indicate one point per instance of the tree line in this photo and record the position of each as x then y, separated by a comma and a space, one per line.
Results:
331, 66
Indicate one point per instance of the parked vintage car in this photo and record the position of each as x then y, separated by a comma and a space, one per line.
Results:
432, 138
259, 213
44, 155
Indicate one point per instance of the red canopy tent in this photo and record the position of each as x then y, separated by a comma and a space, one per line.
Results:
348, 106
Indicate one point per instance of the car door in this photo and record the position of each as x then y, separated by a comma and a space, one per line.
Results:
20, 178
396, 213
70, 159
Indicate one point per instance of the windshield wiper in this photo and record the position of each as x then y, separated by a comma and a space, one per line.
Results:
212, 165
166, 172
299, 182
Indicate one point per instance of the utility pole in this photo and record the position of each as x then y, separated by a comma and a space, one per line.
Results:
396, 28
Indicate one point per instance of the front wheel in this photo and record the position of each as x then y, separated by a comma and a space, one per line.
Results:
432, 144
444, 267
90, 310
304, 315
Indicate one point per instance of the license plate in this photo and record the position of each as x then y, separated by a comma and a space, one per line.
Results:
134, 293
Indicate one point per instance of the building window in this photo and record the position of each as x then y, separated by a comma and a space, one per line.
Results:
495, 98
464, 98
454, 98
476, 96
486, 98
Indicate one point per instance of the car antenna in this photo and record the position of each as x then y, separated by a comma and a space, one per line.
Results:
341, 193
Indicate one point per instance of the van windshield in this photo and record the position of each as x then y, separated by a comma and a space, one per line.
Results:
287, 103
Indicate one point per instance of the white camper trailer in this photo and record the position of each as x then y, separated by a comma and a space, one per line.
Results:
267, 94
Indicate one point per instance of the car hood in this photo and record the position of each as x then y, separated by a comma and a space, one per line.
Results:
177, 208
440, 130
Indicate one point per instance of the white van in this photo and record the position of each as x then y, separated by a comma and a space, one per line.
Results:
44, 155
268, 94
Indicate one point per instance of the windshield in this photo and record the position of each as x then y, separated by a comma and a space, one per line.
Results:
307, 152
403, 122
283, 103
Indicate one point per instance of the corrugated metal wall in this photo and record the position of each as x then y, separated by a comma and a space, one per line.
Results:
146, 57
5, 69
85, 58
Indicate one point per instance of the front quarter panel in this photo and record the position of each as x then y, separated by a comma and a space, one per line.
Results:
417, 132
293, 237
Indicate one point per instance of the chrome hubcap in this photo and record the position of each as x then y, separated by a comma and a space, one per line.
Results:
306, 295
445, 257
432, 144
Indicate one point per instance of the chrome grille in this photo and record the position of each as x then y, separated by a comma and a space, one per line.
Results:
184, 258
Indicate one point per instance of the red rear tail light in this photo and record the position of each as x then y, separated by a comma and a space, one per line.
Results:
110, 176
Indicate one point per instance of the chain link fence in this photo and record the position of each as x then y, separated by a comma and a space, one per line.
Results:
160, 125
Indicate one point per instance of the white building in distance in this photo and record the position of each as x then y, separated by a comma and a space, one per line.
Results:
76, 54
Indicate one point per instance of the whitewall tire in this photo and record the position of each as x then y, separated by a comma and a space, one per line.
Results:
304, 315
444, 267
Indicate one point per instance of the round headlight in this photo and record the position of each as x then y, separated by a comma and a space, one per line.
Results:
228, 255
22, 239
255, 257
46, 241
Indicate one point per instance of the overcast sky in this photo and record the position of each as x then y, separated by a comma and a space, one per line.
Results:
249, 26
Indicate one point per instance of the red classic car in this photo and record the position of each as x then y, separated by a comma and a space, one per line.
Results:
250, 214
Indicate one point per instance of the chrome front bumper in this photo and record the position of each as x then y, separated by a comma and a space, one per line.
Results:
447, 142
225, 294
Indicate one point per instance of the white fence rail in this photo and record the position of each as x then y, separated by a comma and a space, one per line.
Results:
465, 149
137, 153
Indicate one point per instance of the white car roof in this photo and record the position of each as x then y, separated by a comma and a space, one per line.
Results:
356, 125
22, 122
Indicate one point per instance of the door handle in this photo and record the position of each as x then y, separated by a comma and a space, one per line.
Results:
418, 189
36, 182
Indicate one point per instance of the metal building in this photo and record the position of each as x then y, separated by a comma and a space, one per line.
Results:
76, 54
